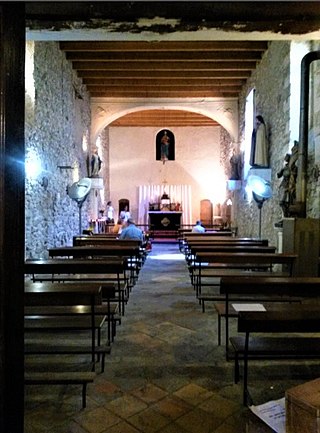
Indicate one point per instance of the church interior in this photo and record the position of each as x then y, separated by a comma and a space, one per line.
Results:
179, 111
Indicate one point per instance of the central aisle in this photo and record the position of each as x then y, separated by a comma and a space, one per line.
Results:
166, 373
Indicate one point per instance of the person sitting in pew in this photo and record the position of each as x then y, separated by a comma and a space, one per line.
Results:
117, 228
131, 231
198, 228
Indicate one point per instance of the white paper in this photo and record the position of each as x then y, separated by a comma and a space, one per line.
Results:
249, 307
273, 413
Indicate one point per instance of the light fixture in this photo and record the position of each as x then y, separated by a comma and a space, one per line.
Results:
261, 191
33, 166
78, 192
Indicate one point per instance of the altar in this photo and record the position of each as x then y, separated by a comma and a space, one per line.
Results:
164, 220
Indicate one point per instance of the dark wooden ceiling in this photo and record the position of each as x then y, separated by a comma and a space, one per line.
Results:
164, 69
185, 68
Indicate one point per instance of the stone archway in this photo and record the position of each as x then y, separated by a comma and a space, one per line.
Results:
224, 112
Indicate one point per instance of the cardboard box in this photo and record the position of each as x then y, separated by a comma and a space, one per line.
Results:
303, 408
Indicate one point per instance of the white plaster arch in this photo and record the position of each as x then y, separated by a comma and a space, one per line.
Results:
105, 111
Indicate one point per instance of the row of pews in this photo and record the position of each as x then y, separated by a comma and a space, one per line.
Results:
74, 301
277, 314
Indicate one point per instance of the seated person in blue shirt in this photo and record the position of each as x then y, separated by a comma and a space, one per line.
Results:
198, 228
131, 231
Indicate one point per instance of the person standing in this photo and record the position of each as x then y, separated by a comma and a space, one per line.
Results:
110, 212
125, 214
198, 228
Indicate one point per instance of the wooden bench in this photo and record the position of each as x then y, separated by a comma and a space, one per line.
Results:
61, 378
130, 253
237, 247
107, 240
108, 308
184, 234
188, 244
261, 289
218, 265
63, 297
284, 319
112, 269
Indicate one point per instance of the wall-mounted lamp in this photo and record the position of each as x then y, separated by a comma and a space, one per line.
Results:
33, 167
261, 191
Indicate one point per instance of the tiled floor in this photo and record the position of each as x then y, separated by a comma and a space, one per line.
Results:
165, 374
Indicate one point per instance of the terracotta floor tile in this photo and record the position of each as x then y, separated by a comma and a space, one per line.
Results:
149, 421
122, 427
97, 420
126, 406
150, 393
172, 407
193, 394
198, 421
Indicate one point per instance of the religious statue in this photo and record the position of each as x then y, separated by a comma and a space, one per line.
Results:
259, 144
95, 163
236, 166
287, 186
165, 141
284, 186
293, 171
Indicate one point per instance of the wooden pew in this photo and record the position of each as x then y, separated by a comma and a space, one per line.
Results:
260, 289
217, 265
285, 319
62, 378
130, 253
227, 241
113, 269
194, 249
183, 236
63, 296
65, 315
39, 306
106, 240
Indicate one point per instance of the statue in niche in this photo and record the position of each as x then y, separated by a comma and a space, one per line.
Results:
287, 186
165, 142
259, 144
165, 146
95, 163
236, 166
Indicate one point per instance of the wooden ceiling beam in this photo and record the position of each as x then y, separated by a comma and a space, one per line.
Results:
161, 94
168, 66
162, 82
164, 88
186, 46
151, 75
171, 56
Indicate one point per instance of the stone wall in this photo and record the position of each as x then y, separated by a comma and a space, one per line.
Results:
272, 83
56, 122
313, 171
